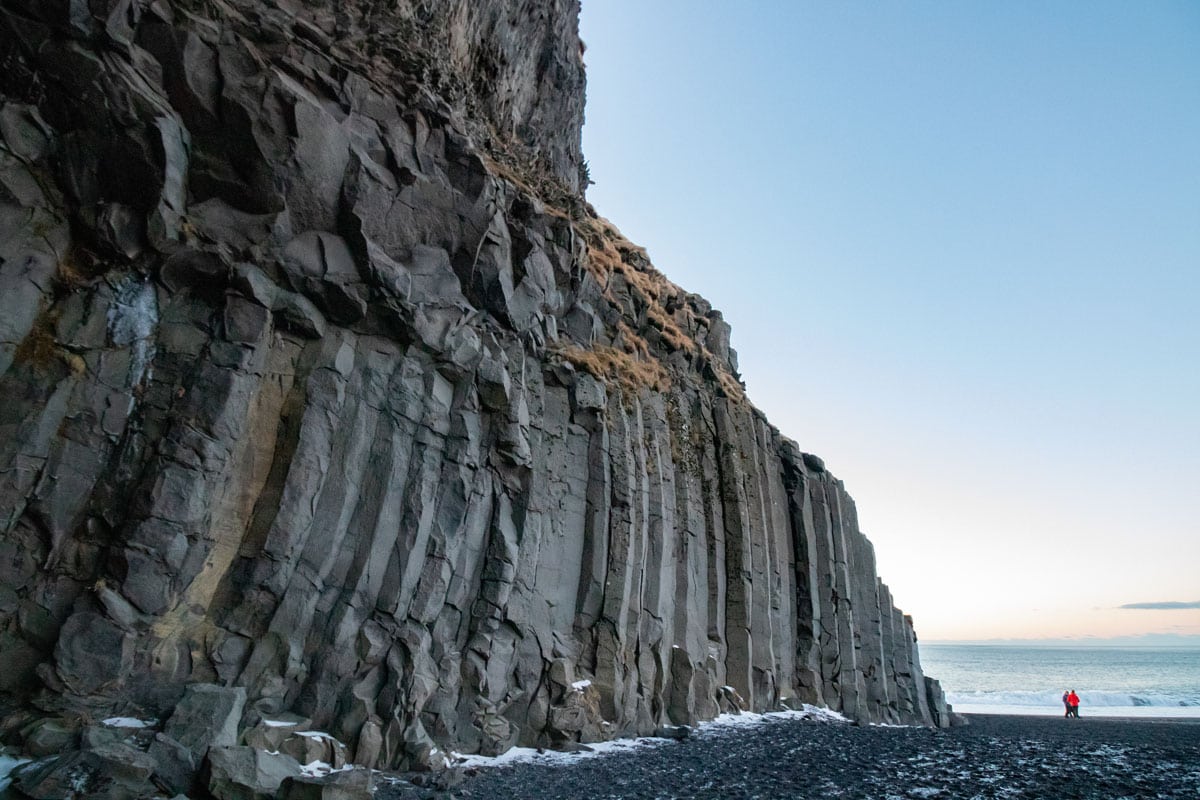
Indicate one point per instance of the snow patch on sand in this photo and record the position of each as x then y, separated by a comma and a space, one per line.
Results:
319, 769
527, 755
748, 720
130, 722
714, 727
7, 765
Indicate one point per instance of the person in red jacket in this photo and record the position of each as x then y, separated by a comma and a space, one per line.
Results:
1073, 703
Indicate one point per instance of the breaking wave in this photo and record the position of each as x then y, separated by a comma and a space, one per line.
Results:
1053, 699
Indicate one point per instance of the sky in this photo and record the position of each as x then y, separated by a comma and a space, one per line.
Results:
959, 247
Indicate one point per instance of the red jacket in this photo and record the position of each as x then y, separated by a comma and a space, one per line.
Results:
1073, 699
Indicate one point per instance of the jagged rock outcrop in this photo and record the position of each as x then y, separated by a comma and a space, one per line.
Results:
322, 382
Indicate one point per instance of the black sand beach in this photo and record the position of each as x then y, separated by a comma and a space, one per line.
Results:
993, 757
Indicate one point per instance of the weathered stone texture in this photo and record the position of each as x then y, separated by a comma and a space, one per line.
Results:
312, 393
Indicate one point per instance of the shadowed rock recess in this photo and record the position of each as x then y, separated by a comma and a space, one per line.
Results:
324, 390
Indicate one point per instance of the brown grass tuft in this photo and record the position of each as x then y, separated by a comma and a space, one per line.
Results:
502, 170
77, 269
610, 254
613, 366
526, 174
646, 293
39, 350
732, 388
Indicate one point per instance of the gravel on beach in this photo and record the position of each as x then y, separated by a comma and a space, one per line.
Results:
992, 757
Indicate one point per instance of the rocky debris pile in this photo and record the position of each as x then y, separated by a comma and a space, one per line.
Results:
322, 382
196, 753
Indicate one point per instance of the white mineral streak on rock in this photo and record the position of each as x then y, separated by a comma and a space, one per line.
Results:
132, 318
7, 765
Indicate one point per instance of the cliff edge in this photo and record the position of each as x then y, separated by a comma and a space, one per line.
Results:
328, 399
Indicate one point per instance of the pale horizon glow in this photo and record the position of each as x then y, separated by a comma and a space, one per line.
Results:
959, 247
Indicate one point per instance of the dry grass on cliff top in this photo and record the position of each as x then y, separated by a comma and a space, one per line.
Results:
612, 260
609, 364
610, 254
527, 176
627, 362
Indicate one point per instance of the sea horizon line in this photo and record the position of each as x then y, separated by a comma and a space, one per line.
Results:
1146, 640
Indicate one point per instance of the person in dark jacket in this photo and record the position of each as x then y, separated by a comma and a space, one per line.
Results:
1067, 704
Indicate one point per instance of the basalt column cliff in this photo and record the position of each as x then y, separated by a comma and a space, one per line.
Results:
323, 388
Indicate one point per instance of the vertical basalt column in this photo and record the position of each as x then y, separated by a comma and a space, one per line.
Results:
716, 646
917, 676
870, 633
887, 622
851, 685
664, 550
690, 692
828, 644
641, 677
612, 630
738, 565
807, 580
590, 401
764, 669
782, 575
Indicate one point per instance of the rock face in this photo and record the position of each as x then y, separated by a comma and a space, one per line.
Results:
321, 383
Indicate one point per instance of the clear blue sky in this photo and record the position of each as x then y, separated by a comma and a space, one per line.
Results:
959, 246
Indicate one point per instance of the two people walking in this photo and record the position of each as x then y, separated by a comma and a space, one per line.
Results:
1071, 702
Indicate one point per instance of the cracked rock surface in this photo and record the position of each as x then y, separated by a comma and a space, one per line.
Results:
323, 385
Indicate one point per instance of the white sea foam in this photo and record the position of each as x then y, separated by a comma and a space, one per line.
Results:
1092, 704
1122, 712
1052, 699
1110, 681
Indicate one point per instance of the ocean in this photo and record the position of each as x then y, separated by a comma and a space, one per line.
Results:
1110, 681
